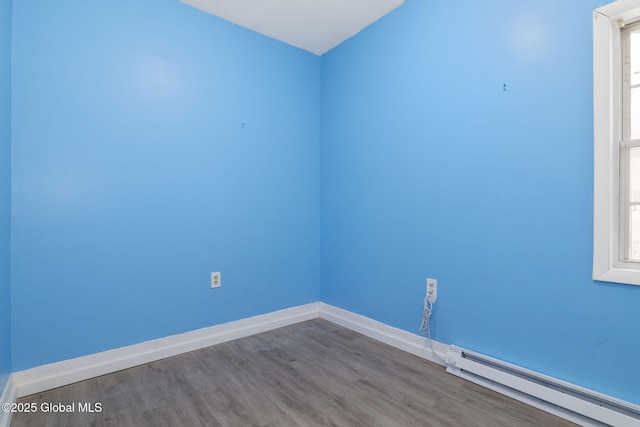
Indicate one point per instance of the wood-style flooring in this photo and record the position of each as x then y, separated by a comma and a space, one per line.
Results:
314, 373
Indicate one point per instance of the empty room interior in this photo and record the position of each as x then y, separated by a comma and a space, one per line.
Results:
146, 145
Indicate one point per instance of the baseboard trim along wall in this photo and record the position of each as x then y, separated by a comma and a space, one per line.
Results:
403, 340
8, 396
67, 372
59, 374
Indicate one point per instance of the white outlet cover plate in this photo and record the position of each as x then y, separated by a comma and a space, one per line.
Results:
216, 279
432, 289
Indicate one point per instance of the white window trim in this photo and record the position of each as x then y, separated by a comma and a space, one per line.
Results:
607, 78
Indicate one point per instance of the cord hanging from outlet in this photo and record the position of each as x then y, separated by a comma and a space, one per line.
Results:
425, 327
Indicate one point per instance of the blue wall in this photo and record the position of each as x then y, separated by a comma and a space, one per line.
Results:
430, 168
152, 145
5, 191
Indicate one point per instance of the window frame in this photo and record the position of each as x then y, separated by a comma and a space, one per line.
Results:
607, 96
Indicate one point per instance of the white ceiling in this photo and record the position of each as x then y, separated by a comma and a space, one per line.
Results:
313, 25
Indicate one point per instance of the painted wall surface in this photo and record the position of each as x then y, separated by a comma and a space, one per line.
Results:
5, 191
458, 144
152, 145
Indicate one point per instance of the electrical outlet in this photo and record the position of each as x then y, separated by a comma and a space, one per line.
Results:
432, 290
216, 280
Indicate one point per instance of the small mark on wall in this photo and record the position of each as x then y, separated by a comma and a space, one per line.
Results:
504, 87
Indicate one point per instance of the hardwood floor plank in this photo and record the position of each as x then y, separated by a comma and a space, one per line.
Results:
310, 374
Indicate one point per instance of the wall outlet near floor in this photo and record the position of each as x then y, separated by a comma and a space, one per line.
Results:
216, 281
432, 290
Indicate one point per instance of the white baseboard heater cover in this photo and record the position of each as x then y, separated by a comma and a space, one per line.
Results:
577, 404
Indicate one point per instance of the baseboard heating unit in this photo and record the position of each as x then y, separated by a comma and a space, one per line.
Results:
579, 405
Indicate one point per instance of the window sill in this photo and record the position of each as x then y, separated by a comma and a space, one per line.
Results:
618, 275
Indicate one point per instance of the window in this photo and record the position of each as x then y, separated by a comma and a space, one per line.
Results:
630, 145
616, 72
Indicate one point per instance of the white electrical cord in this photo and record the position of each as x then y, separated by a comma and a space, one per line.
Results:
425, 327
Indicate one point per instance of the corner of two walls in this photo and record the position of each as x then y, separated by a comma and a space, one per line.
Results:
159, 148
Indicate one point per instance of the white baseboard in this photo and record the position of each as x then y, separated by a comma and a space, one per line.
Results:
403, 340
66, 372
58, 374
8, 396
